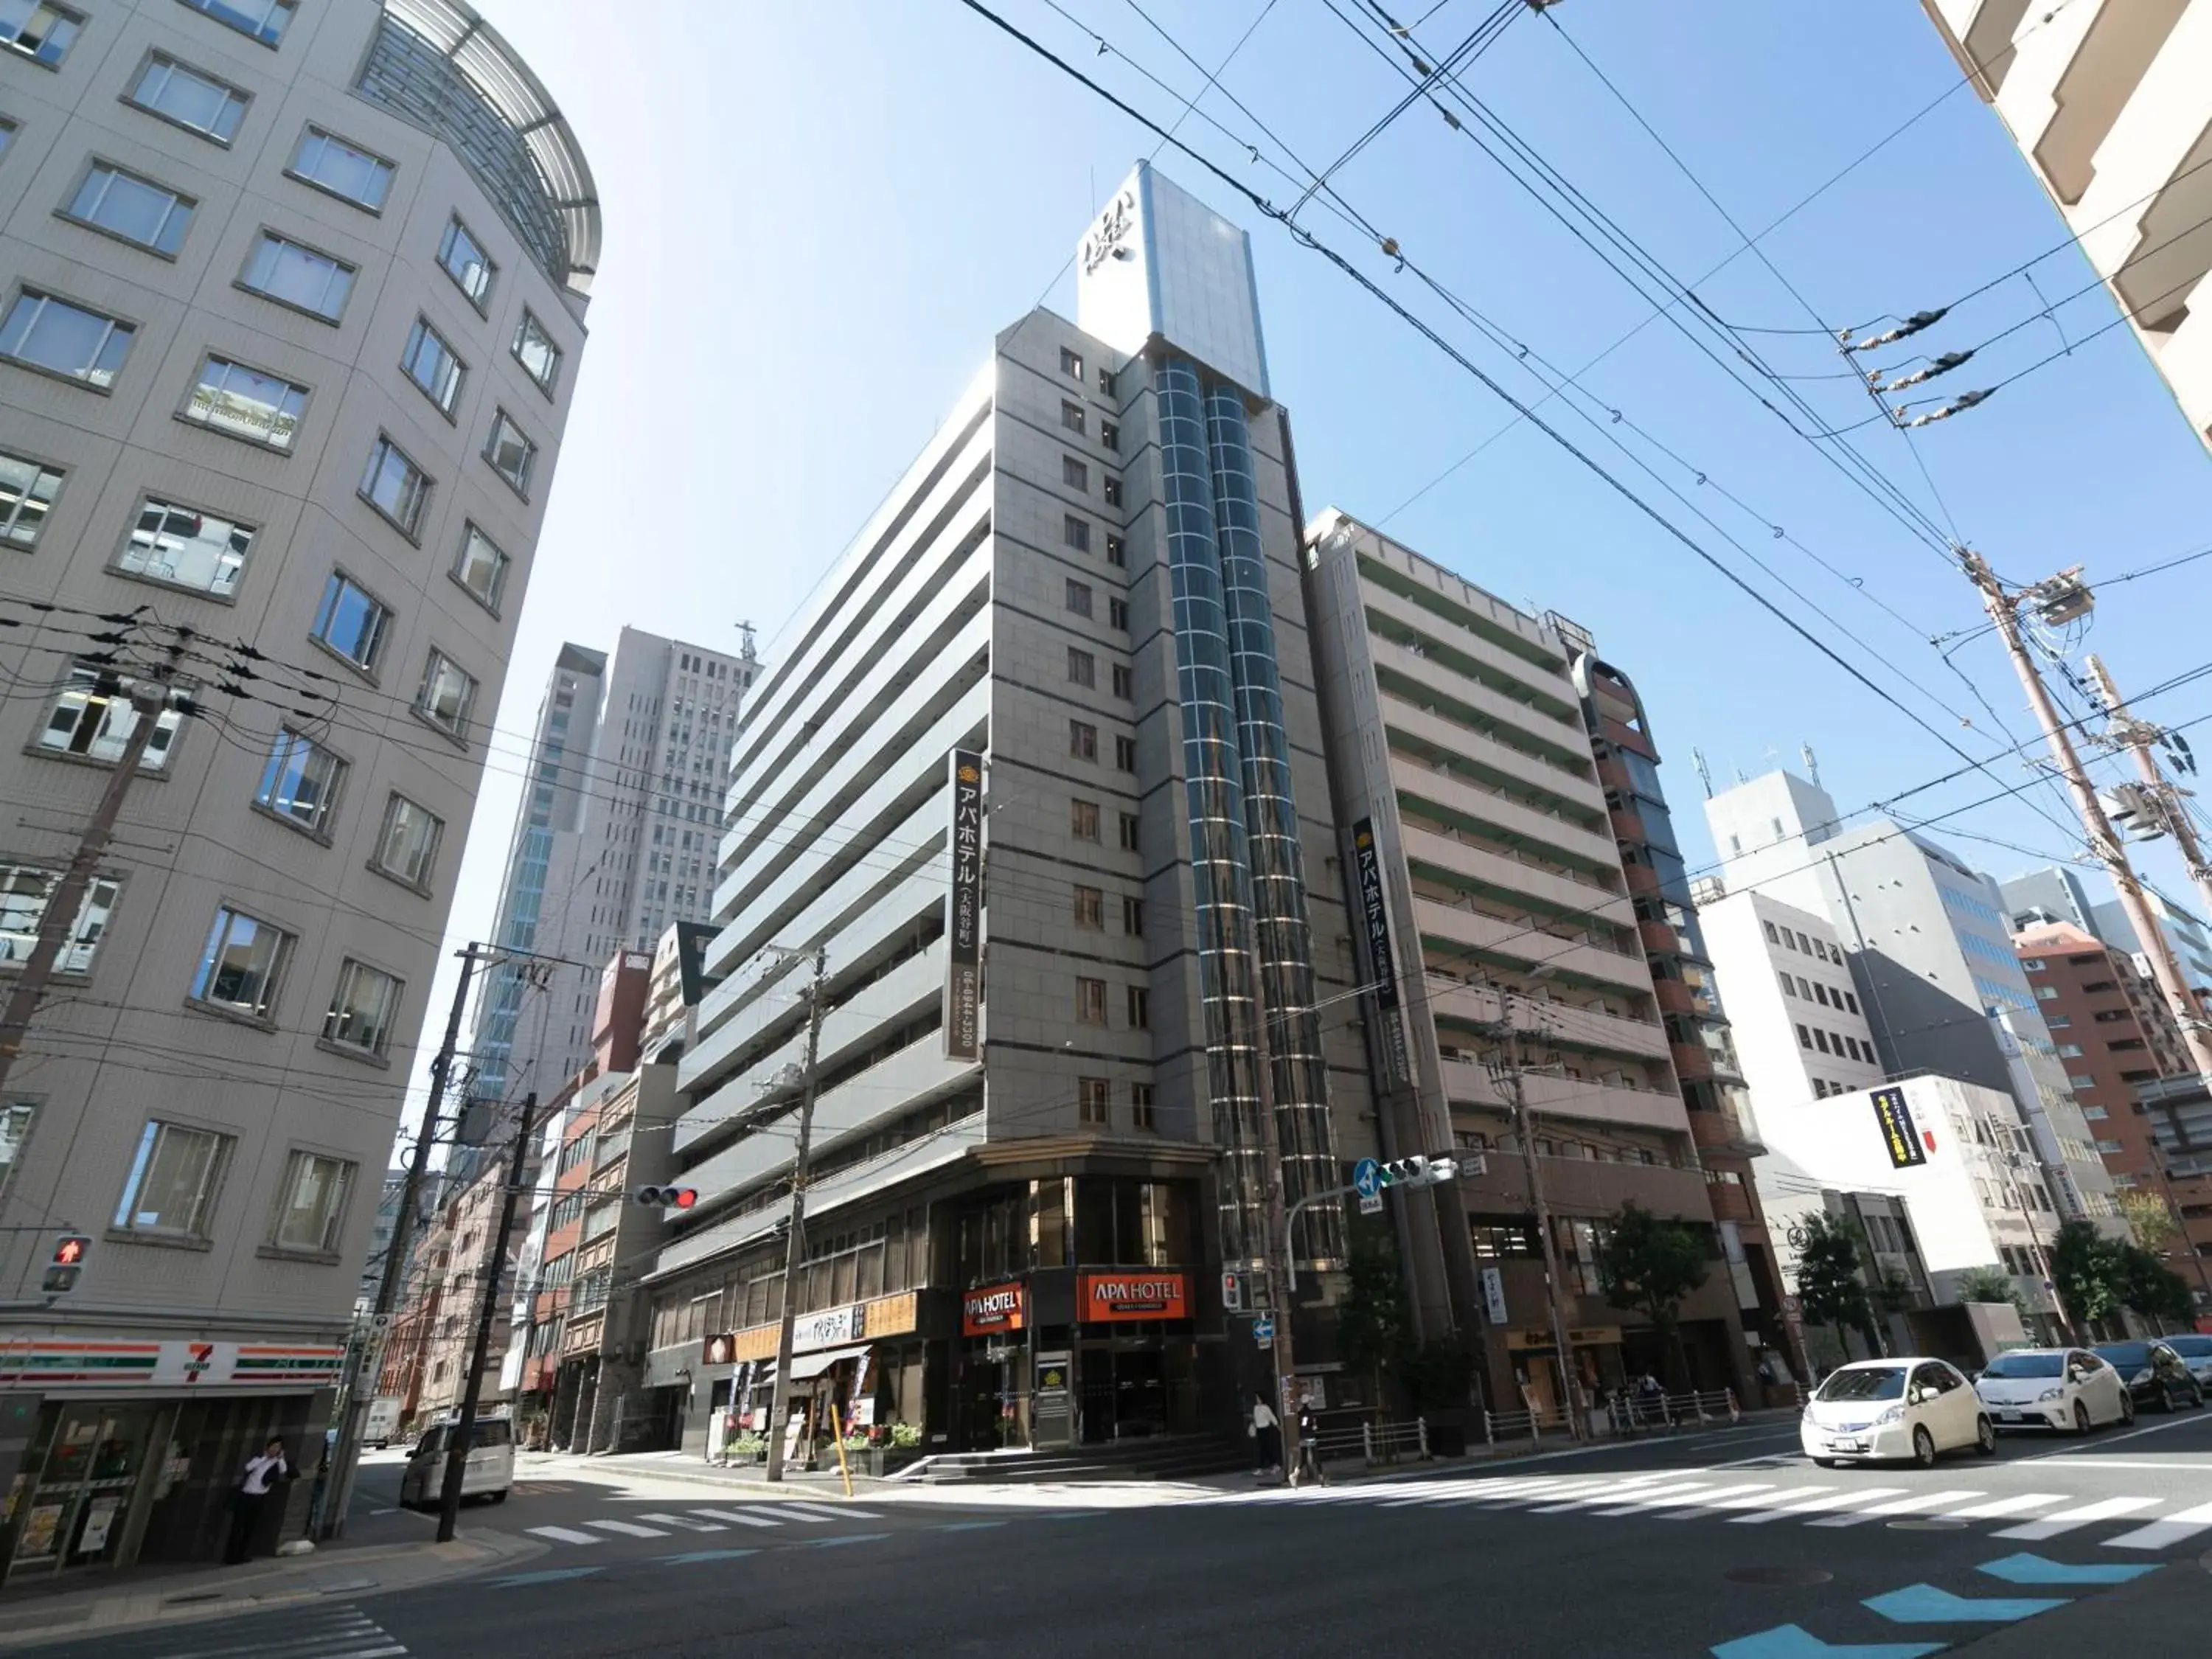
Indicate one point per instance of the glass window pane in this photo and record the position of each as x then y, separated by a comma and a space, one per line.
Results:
310, 1203
342, 169
297, 275
26, 495
300, 781
38, 30
171, 1181
350, 622
24, 890
189, 98
395, 486
93, 718
430, 363
262, 20
135, 209
188, 548
68, 340
244, 959
409, 844
511, 454
363, 1009
467, 263
534, 350
482, 568
244, 403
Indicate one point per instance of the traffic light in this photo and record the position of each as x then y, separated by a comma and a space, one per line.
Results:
66, 1263
1419, 1171
667, 1198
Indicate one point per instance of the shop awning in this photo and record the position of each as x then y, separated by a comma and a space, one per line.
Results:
813, 1364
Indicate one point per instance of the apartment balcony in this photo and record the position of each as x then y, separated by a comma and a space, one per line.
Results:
1591, 1029
1693, 1062
1674, 997
1730, 1201
1643, 880
1658, 939
1628, 827
1507, 874
1584, 1100
1515, 942
1571, 744
1414, 720
1468, 656
1721, 1132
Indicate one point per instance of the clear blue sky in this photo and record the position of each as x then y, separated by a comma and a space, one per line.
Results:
817, 216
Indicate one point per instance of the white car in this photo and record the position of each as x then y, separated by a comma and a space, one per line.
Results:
2065, 1388
1910, 1409
2195, 1353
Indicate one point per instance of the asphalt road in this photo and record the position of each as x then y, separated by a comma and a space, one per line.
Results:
1729, 1543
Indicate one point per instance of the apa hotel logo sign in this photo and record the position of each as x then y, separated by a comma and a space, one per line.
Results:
1108, 238
1108, 1298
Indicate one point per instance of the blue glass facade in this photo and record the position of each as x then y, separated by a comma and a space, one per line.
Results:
1248, 889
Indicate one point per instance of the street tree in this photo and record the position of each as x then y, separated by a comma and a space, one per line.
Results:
2150, 1218
2088, 1273
1830, 1290
2154, 1289
1648, 1266
1990, 1284
1374, 1334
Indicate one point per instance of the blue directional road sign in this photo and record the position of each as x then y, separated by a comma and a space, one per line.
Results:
1263, 1329
1367, 1177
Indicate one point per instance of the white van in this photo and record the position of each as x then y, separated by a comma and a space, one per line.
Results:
490, 1474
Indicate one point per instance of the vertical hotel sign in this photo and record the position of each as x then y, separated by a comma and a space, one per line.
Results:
964, 919
1382, 964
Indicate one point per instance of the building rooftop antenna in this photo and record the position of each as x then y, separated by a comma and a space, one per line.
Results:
1812, 763
746, 628
1705, 771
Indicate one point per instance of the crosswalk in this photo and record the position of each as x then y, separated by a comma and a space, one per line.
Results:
316, 1632
674, 1522
2144, 1523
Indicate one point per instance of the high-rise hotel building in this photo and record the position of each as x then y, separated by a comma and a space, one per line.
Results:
1063, 669
290, 311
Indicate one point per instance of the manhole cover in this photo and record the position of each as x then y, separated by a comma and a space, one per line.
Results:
1779, 1577
1931, 1524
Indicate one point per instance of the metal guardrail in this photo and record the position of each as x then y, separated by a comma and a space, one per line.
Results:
1623, 1415
1374, 1443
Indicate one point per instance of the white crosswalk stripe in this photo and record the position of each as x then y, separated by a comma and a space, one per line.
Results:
1728, 1498
789, 1512
829, 1513
629, 1529
2068, 1520
341, 1633
2181, 1524
2017, 1505
1659, 1497
1789, 1508
1918, 1504
683, 1523
564, 1536
736, 1518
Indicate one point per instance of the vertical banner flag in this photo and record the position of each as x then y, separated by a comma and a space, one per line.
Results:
1898, 1136
1382, 964
963, 919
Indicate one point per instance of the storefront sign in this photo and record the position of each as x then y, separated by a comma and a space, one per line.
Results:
1381, 961
719, 1350
1493, 1294
828, 1328
1052, 1372
52, 1363
994, 1307
1109, 1297
1894, 1118
1586, 1336
964, 919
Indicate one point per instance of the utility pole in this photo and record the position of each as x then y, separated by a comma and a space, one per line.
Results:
794, 1245
1505, 1071
396, 1254
1278, 1246
148, 700
2125, 731
494, 1272
2059, 600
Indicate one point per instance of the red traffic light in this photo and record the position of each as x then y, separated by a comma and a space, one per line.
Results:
667, 1198
682, 1197
69, 1248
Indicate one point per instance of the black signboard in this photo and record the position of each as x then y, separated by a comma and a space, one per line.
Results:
963, 919
1898, 1133
1381, 964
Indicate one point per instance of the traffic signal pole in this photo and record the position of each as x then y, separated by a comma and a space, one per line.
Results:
494, 1272
794, 1246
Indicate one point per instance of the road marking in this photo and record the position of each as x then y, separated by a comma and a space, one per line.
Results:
696, 1556
565, 1535
627, 1528
1471, 1492
683, 1523
1728, 1498
1913, 1505
784, 1511
551, 1576
2035, 1570
2171, 1529
966, 1526
2067, 1520
2177, 1422
1997, 1506
1792, 1642
1659, 1497
1593, 1492
1832, 1498
846, 1538
830, 1514
1925, 1604
737, 1518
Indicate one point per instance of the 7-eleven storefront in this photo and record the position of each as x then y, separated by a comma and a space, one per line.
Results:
117, 1452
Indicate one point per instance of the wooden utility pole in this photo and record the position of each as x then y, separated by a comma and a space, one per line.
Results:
149, 701
1506, 1071
2060, 600
2141, 738
494, 1274
794, 1244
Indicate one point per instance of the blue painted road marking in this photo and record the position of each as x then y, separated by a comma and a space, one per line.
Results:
703, 1555
551, 1576
849, 1537
1923, 1604
2025, 1569
1790, 1641
967, 1526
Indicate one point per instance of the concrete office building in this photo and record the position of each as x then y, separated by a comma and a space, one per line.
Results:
294, 299
613, 841
2110, 105
2115, 1035
2055, 893
1890, 1263
1799, 1029
1495, 904
1045, 1181
1931, 958
1958, 1158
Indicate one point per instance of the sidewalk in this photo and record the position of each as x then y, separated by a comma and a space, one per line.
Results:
153, 1597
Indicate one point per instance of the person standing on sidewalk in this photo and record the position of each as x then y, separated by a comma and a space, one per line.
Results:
1267, 1437
262, 1475
1309, 1446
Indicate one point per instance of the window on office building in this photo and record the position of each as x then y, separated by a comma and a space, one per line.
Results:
1093, 1094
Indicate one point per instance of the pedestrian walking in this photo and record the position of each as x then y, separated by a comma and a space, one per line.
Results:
1651, 1399
1266, 1437
262, 1476
1309, 1446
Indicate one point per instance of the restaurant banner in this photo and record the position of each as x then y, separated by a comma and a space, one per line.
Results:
1107, 1298
964, 919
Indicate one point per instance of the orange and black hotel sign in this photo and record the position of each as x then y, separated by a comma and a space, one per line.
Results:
1107, 1298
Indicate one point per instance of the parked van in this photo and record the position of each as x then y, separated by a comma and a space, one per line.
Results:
490, 1474
383, 1421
